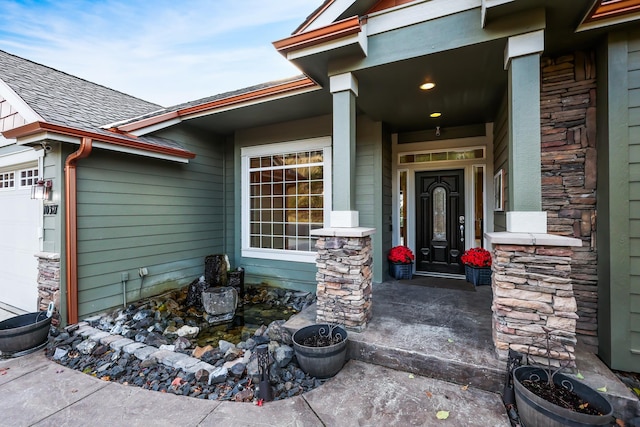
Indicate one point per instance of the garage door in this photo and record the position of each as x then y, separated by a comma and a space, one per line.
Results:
19, 242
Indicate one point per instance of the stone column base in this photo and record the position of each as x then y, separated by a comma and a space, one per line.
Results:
344, 276
533, 296
48, 280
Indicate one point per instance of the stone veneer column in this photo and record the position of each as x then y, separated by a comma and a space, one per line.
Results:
344, 276
48, 279
532, 290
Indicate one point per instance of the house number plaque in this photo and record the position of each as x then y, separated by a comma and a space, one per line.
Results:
50, 209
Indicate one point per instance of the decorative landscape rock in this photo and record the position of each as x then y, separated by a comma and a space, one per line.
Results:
184, 367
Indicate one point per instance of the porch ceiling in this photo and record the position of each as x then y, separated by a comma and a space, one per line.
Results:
470, 81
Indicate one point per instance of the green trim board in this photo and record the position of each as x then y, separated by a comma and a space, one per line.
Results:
618, 233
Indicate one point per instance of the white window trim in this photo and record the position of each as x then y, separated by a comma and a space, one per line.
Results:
34, 178
323, 143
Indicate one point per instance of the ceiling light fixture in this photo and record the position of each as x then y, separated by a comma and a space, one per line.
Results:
435, 114
427, 86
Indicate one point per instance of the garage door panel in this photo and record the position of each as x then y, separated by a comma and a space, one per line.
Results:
19, 223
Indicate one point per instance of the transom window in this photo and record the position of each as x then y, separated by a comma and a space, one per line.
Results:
284, 198
441, 155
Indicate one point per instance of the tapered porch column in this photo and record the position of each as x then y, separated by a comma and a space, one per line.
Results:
522, 61
344, 88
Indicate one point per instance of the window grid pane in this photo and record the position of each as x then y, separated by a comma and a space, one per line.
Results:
286, 200
7, 180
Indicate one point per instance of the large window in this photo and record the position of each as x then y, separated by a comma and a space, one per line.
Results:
286, 194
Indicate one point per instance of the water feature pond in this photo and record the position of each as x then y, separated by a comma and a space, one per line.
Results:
229, 349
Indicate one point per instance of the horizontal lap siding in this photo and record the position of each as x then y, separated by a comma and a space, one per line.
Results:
634, 188
135, 212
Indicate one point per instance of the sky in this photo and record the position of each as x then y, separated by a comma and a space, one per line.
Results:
163, 51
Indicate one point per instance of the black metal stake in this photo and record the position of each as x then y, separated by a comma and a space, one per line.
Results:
266, 392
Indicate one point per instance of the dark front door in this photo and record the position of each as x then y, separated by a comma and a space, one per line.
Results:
440, 221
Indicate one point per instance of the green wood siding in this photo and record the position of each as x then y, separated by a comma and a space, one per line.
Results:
619, 200
386, 232
135, 212
370, 188
501, 160
633, 68
230, 188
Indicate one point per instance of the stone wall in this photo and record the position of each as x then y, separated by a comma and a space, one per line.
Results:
532, 290
344, 281
568, 125
48, 280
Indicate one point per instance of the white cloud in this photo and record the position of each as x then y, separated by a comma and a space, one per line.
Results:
162, 51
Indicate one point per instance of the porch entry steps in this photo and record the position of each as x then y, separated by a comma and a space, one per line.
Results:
439, 333
446, 334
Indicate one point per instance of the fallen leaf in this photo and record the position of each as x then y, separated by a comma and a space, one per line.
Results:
176, 382
579, 376
412, 376
259, 402
584, 405
442, 415
636, 390
619, 422
429, 395
450, 340
465, 387
603, 389
75, 390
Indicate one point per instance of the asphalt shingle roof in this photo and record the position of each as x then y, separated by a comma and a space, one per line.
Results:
67, 100
213, 98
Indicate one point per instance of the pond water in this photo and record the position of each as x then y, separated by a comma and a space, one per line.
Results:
249, 317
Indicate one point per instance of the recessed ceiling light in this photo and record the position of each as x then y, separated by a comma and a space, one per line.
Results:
435, 114
427, 86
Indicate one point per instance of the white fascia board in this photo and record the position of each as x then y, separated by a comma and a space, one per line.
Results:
522, 45
51, 136
27, 113
414, 13
41, 137
330, 14
156, 127
359, 38
250, 102
138, 152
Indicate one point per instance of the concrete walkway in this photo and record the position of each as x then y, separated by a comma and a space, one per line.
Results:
37, 392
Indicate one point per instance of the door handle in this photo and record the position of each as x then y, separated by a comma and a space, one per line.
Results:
462, 233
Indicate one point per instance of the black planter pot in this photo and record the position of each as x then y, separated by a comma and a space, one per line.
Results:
320, 362
535, 411
24, 332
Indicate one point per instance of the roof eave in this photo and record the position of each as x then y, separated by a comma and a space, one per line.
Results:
128, 142
264, 94
337, 30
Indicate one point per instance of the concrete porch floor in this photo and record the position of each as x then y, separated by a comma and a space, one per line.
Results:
446, 334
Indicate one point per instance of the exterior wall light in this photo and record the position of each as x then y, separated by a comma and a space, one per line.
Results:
41, 190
